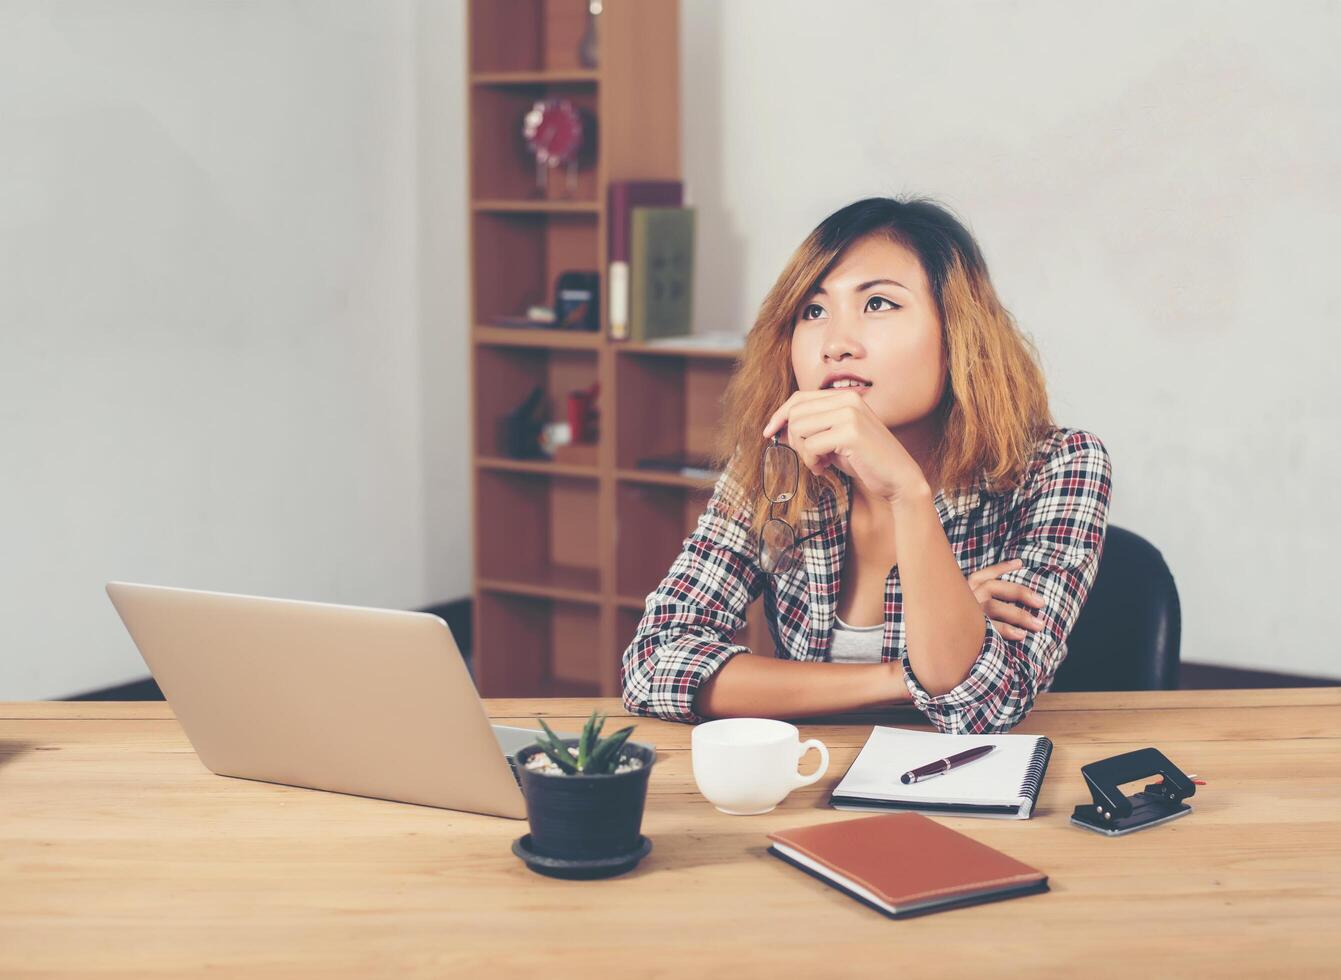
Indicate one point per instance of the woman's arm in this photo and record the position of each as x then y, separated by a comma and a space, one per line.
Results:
755, 687
683, 664
962, 672
942, 620
688, 625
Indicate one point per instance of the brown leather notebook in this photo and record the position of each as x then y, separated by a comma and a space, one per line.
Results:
905, 864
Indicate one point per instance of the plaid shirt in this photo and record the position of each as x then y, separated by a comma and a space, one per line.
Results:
1055, 523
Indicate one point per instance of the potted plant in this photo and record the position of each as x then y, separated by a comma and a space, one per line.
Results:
584, 801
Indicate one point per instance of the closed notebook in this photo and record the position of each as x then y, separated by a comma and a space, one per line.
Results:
905, 864
1004, 783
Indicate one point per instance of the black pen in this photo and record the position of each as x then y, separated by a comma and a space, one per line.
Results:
941, 766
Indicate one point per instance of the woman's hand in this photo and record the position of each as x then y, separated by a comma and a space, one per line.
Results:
829, 427
996, 598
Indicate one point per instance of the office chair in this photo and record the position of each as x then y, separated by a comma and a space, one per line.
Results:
1127, 635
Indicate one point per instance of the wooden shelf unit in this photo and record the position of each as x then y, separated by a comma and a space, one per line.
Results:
565, 554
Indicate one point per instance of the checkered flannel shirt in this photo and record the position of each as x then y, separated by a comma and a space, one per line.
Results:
1055, 522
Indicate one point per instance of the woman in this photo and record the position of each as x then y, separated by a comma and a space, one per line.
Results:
894, 485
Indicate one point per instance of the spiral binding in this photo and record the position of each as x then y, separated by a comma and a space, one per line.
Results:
1038, 767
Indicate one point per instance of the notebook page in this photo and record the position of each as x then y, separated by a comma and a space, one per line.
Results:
890, 752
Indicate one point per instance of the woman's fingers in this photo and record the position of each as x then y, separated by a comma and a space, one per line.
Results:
822, 463
804, 426
1008, 631
825, 446
1010, 591
779, 417
829, 439
809, 458
998, 600
800, 400
992, 571
818, 436
1015, 592
776, 419
1006, 613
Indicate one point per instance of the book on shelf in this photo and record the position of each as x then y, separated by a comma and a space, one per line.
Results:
661, 273
622, 197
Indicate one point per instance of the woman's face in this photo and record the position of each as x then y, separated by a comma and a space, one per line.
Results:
874, 319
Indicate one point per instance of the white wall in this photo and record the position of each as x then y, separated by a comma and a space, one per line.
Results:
444, 308
210, 371
233, 279
1158, 193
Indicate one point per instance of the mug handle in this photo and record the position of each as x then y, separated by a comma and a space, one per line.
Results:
806, 746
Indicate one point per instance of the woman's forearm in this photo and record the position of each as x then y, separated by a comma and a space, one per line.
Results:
754, 686
942, 619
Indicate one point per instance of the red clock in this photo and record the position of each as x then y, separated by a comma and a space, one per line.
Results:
553, 132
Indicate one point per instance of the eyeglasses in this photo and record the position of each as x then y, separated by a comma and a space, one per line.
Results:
780, 470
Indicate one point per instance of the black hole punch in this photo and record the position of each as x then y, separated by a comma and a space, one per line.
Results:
1112, 813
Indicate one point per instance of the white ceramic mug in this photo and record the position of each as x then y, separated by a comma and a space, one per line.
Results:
746, 766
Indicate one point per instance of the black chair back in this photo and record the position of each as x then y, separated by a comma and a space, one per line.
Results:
1127, 635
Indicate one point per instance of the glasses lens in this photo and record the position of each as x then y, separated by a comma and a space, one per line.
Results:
777, 553
780, 468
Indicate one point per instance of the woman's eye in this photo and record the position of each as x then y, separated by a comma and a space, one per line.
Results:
816, 308
880, 299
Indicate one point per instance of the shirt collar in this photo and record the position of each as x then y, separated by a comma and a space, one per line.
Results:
963, 501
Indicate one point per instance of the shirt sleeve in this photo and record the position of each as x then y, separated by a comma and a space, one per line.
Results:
686, 633
1059, 538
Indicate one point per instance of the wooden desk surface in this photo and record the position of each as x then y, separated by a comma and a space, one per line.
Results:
120, 853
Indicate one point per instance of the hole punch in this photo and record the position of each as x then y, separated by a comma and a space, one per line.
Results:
1112, 813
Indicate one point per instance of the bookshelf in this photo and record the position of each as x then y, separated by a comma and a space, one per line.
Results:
566, 551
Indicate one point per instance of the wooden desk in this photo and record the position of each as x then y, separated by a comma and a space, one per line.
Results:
120, 853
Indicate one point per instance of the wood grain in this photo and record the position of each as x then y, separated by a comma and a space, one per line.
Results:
121, 855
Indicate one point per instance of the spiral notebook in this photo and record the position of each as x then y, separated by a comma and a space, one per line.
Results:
1003, 784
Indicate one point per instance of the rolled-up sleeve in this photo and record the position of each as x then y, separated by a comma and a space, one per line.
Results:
1059, 538
689, 622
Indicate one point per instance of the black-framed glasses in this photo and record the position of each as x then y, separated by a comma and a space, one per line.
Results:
780, 471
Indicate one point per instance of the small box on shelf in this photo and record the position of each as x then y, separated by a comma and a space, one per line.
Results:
506, 378
520, 257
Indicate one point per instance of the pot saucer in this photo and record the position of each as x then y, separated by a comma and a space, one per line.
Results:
580, 868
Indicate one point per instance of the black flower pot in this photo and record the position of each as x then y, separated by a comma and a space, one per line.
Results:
586, 818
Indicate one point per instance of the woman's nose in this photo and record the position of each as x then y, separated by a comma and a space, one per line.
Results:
840, 340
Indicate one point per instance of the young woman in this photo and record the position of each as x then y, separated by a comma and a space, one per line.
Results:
894, 485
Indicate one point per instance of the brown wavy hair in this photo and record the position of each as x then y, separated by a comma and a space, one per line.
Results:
995, 406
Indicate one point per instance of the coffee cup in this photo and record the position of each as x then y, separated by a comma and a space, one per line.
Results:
746, 766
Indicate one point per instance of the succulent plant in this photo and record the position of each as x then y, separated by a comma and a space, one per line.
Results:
595, 755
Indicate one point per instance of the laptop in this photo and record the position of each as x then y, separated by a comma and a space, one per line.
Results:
370, 702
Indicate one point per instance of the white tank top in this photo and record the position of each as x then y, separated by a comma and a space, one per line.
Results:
856, 644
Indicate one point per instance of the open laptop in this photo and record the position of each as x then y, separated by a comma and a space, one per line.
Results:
372, 702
